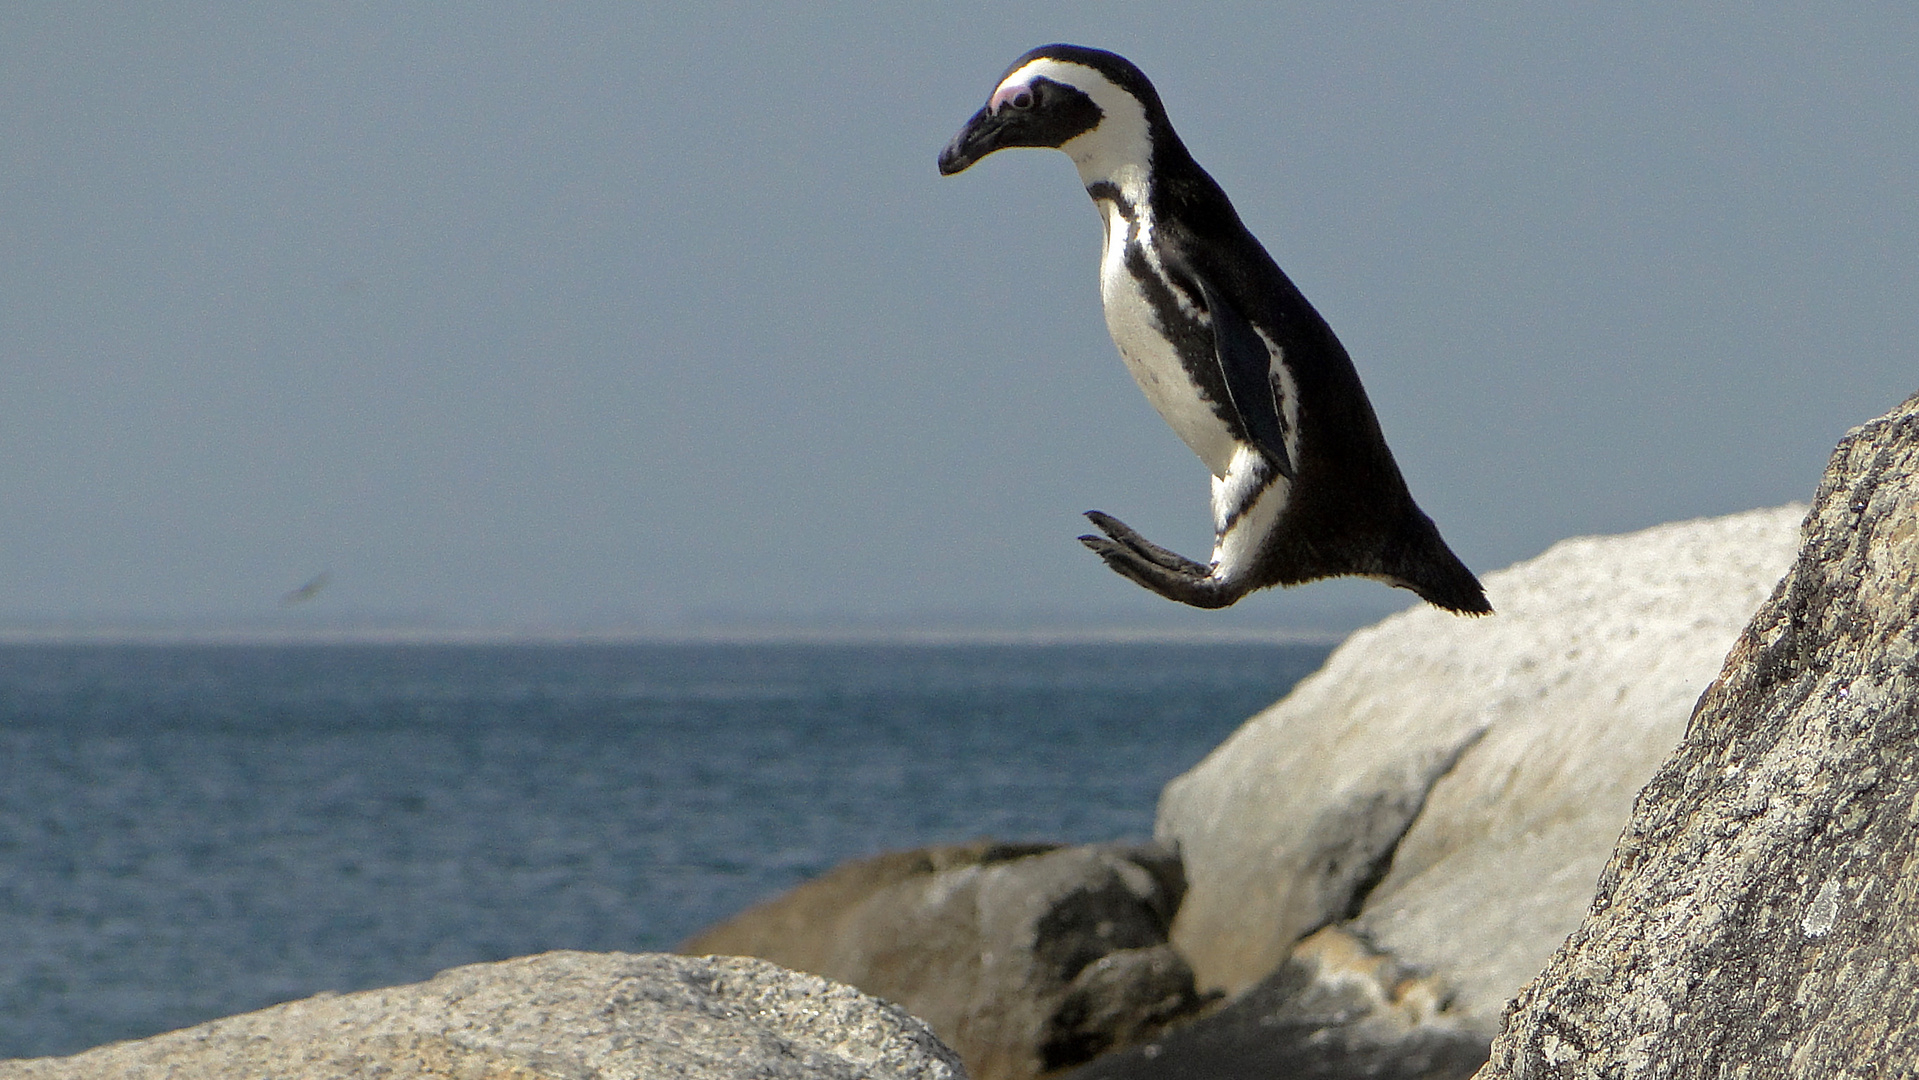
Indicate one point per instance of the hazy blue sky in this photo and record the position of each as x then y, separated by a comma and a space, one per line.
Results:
658, 314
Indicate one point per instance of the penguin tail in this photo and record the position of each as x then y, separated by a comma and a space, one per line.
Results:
1424, 564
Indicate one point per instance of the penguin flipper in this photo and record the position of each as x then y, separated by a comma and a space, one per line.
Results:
1248, 368
1172, 576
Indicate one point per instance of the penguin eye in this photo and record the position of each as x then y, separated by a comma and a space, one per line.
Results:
1014, 97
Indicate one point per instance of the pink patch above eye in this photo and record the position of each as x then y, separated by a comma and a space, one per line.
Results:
1018, 95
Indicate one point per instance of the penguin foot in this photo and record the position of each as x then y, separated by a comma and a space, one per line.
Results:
1167, 573
1130, 538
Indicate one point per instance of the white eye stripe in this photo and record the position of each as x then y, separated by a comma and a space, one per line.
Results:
1045, 67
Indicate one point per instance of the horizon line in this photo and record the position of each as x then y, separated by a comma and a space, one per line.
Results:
430, 635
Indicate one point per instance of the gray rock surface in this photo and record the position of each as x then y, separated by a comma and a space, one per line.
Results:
1452, 786
1021, 961
556, 1016
1760, 915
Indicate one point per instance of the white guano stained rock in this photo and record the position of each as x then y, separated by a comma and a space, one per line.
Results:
1483, 766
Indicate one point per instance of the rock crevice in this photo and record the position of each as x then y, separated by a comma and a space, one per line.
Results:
1375, 874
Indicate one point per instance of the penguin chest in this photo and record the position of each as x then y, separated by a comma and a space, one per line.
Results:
1149, 320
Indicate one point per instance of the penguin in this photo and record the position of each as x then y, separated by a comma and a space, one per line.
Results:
1227, 350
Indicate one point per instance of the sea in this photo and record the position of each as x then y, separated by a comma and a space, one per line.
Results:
189, 831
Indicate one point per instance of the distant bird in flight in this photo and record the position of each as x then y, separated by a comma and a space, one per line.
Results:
308, 591
1226, 348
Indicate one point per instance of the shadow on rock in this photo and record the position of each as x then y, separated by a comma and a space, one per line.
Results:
1337, 1009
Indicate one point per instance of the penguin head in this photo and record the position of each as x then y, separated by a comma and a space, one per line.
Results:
1094, 105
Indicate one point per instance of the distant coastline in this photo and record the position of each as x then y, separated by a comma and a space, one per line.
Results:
53, 633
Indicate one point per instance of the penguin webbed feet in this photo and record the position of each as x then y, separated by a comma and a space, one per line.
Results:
1167, 573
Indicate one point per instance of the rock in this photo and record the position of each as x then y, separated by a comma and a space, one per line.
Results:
805, 927
1454, 785
1337, 1009
1117, 1000
1021, 961
1759, 916
556, 1016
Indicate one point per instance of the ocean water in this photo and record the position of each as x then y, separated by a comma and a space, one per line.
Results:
188, 832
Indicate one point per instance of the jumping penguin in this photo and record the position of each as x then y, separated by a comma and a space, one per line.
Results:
1226, 348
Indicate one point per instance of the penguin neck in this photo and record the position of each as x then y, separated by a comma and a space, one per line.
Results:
1115, 154
1115, 163
1126, 164
1126, 187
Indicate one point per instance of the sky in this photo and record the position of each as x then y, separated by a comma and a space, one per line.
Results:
658, 317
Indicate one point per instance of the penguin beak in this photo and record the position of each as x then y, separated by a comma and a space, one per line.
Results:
981, 136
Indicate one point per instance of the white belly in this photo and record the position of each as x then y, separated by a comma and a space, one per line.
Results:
1153, 362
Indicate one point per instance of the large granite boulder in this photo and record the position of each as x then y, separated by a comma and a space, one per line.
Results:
1760, 915
1022, 958
556, 1016
1449, 788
